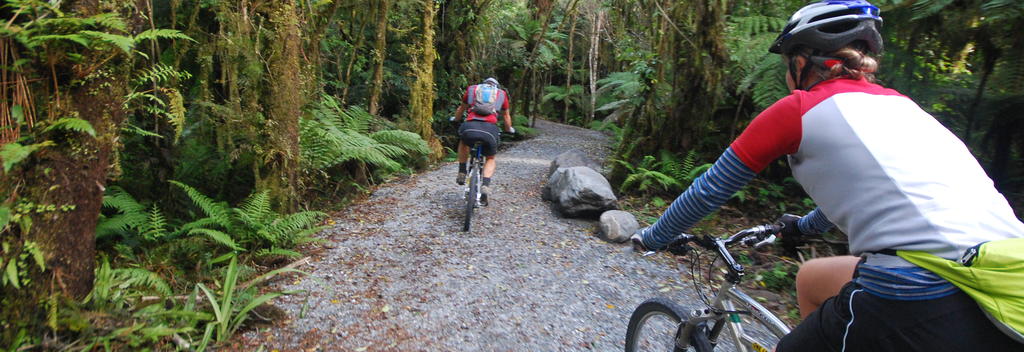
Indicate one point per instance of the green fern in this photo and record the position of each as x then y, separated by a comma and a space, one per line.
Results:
109, 286
72, 124
125, 43
252, 224
333, 136
277, 252
218, 212
159, 33
130, 213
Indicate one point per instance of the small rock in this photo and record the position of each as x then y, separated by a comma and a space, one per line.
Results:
617, 226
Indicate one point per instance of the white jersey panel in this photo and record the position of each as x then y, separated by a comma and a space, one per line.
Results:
892, 177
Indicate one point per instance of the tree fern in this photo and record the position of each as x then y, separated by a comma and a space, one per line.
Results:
407, 141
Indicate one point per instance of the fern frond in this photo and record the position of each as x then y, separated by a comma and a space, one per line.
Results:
160, 73
405, 140
286, 228
73, 124
135, 277
277, 252
124, 43
155, 227
217, 236
161, 33
107, 20
218, 211
256, 208
176, 111
131, 215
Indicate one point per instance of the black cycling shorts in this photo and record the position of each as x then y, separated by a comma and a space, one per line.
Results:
856, 320
479, 131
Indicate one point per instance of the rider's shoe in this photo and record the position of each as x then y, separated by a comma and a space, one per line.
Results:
485, 191
461, 178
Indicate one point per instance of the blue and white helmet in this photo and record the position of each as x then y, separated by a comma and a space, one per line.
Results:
831, 25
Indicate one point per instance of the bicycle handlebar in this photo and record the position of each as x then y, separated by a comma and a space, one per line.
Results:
752, 236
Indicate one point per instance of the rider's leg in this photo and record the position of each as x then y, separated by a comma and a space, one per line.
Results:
819, 279
463, 152
489, 166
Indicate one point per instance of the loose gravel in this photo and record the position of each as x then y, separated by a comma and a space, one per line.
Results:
397, 274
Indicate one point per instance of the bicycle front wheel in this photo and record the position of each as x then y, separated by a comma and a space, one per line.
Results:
654, 326
471, 195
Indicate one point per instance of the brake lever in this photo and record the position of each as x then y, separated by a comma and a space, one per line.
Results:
765, 242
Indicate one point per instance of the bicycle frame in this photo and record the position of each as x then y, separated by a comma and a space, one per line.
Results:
476, 166
724, 311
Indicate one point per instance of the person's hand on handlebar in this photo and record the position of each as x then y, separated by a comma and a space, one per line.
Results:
791, 234
637, 240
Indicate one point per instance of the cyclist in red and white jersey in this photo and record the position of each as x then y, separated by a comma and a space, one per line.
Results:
884, 172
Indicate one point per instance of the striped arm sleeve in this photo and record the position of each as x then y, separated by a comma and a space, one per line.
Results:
705, 195
814, 223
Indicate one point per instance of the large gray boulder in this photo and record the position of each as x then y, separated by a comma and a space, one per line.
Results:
617, 226
580, 192
570, 159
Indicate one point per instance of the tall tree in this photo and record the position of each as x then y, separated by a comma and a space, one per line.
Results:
379, 49
690, 45
421, 103
285, 98
54, 195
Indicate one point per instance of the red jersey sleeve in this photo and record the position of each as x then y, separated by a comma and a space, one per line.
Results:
504, 105
775, 132
465, 95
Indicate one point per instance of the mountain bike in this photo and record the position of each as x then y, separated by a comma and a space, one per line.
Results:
659, 324
473, 197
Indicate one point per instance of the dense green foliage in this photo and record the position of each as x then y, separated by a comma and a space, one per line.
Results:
183, 138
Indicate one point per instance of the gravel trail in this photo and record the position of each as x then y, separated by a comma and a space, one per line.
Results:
397, 274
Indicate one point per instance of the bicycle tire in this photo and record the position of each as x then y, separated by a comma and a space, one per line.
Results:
673, 315
474, 189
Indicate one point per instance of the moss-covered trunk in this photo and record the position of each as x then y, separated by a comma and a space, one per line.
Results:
421, 100
379, 49
57, 192
285, 97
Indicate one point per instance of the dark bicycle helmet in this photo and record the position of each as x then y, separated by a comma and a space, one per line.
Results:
828, 26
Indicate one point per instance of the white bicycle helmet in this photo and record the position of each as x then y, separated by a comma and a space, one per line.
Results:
829, 25
492, 81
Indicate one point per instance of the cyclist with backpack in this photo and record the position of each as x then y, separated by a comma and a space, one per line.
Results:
887, 174
483, 102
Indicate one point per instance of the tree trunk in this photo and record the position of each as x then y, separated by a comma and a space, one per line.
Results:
569, 70
592, 59
380, 45
58, 191
285, 98
352, 59
421, 100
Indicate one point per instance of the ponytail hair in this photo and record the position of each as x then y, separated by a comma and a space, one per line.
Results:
854, 63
